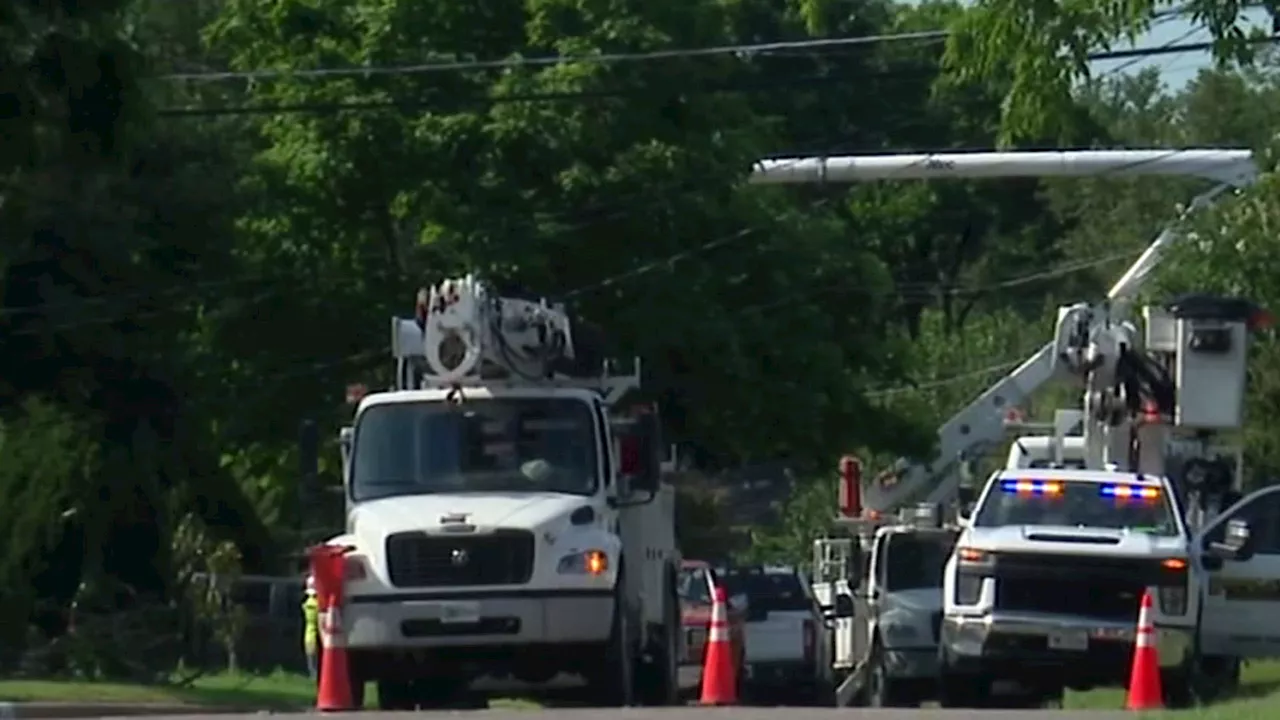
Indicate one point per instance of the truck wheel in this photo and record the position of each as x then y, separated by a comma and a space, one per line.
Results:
396, 695
882, 690
613, 685
1175, 689
963, 691
660, 679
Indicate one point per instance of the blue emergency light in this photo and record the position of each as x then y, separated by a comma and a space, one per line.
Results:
1129, 492
1031, 487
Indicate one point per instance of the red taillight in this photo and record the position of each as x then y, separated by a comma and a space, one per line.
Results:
809, 639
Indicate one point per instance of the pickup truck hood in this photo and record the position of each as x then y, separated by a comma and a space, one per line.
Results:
484, 510
1070, 540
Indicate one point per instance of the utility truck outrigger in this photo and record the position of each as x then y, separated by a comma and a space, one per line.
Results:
504, 518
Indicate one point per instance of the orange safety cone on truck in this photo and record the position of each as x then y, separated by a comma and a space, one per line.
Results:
1144, 679
327, 567
719, 686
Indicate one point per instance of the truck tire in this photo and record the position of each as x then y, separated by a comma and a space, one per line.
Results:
614, 683
660, 677
882, 690
396, 695
963, 691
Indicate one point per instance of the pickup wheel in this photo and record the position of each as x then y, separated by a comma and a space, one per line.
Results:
963, 691
396, 695
882, 690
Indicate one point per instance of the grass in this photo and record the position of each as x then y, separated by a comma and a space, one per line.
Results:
278, 691
282, 691
1259, 698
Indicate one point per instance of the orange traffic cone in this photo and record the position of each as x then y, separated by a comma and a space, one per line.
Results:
1144, 679
334, 690
719, 686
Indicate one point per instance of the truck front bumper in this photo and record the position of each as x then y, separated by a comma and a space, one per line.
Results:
469, 619
1029, 640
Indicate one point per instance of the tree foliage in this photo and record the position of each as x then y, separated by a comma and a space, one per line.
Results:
193, 263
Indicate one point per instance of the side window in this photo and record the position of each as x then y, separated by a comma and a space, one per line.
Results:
1263, 515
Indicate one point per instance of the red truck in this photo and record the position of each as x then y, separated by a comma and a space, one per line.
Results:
697, 581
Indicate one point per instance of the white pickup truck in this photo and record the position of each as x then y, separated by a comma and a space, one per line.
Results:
1043, 589
788, 639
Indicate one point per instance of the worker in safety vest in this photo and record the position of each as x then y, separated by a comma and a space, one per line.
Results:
311, 628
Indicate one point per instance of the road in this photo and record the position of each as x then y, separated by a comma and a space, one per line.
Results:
696, 713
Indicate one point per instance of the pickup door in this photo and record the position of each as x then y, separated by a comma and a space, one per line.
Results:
780, 622
1241, 611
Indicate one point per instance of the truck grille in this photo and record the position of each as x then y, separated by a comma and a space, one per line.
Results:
418, 560
1104, 588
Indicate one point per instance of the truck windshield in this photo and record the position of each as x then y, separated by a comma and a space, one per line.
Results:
1118, 506
917, 560
490, 445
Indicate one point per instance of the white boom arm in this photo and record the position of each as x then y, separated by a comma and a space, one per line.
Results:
1228, 167
981, 423
463, 336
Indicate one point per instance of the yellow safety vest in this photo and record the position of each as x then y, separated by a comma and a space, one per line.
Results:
310, 623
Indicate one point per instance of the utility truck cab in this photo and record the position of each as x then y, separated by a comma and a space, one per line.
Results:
1044, 587
503, 517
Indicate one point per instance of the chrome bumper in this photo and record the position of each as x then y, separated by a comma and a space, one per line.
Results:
1014, 635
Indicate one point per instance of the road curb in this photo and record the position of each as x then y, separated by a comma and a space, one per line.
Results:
64, 711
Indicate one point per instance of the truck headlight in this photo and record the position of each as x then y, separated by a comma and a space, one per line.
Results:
1173, 600
968, 589
897, 632
587, 562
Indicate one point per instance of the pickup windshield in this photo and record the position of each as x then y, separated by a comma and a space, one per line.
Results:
1117, 506
497, 445
769, 592
916, 560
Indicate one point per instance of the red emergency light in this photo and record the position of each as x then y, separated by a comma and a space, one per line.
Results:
850, 486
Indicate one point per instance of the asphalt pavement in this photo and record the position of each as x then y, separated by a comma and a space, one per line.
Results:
699, 713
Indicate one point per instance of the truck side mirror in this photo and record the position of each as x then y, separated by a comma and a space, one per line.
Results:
1237, 542
308, 457
844, 606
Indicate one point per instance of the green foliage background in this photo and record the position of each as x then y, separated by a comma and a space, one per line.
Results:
203, 237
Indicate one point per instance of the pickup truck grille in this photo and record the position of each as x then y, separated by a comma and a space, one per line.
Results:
418, 560
1104, 588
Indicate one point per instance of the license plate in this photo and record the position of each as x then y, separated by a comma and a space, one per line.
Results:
1069, 640
459, 612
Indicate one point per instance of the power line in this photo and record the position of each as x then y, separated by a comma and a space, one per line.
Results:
521, 63
514, 63
408, 104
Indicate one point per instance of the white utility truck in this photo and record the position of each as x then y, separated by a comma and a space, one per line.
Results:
1043, 590
1160, 411
883, 588
504, 518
